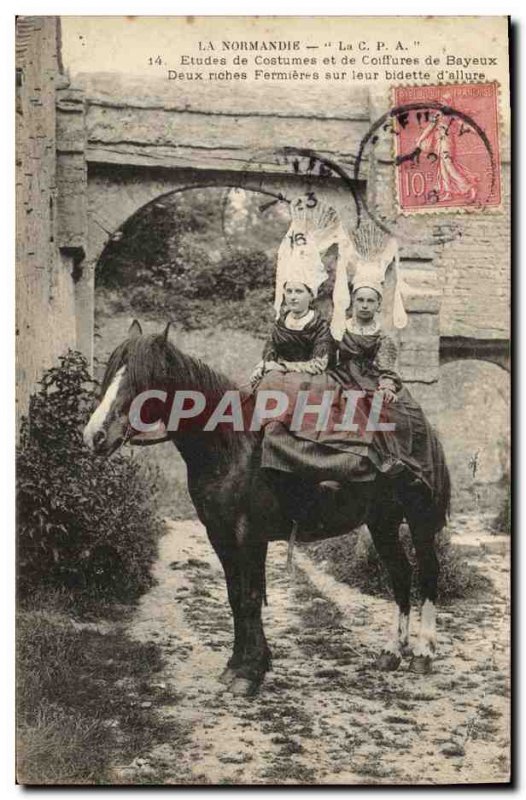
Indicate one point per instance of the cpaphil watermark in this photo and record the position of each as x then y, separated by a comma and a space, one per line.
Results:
346, 411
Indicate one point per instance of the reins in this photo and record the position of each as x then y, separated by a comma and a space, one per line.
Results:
127, 436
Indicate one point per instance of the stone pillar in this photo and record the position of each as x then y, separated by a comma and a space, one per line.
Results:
419, 353
85, 311
44, 323
419, 342
72, 201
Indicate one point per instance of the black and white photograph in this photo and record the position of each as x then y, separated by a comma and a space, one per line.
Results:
263, 527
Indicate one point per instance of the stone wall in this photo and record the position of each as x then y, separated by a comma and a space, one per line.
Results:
472, 271
51, 210
475, 275
45, 315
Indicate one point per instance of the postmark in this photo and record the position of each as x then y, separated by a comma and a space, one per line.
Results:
292, 176
394, 133
447, 154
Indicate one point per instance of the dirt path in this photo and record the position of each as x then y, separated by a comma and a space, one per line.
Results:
324, 715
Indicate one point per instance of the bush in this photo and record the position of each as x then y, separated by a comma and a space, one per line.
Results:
254, 313
149, 239
189, 273
83, 523
193, 275
241, 272
353, 560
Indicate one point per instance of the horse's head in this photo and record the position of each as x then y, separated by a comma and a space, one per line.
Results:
109, 426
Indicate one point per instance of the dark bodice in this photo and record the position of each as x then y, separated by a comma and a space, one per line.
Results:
367, 360
314, 341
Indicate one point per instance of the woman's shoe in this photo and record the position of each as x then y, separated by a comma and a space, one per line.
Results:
330, 486
392, 468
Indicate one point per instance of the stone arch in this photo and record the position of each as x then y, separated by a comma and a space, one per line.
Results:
472, 417
117, 192
494, 351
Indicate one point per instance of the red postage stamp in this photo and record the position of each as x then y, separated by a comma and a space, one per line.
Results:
447, 147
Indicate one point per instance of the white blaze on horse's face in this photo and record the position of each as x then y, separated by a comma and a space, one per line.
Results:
95, 435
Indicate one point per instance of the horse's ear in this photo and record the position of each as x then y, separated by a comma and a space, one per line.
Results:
135, 330
166, 332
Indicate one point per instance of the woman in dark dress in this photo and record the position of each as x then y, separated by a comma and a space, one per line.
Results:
367, 360
297, 358
299, 355
300, 340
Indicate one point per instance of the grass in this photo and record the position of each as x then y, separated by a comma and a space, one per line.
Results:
372, 767
321, 630
80, 696
315, 611
353, 560
52, 748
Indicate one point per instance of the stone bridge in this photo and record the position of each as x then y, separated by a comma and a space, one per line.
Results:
118, 153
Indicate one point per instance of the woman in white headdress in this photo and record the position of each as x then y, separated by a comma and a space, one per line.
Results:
297, 362
367, 360
300, 340
299, 350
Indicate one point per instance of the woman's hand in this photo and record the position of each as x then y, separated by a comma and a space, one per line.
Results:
257, 374
389, 396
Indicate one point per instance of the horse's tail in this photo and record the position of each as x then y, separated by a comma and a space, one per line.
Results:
442, 484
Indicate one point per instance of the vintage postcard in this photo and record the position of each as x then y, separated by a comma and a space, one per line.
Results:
263, 401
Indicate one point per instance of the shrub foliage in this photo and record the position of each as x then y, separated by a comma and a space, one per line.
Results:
85, 523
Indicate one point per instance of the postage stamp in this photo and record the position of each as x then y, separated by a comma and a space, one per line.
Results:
447, 147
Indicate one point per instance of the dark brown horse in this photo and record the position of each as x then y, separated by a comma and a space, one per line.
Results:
243, 506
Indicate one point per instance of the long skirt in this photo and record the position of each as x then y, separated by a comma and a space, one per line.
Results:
344, 437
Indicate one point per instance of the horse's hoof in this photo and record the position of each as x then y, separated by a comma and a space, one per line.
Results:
244, 687
388, 662
422, 665
227, 676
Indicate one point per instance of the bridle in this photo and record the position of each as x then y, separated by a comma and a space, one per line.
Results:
126, 438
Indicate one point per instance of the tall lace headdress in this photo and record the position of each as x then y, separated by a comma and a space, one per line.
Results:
314, 227
369, 255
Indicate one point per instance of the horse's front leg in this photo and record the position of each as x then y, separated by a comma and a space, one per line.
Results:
257, 655
398, 644
425, 649
229, 557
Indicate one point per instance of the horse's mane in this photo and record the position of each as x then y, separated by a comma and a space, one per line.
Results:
152, 360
